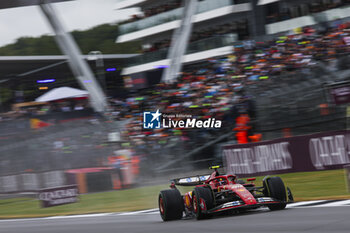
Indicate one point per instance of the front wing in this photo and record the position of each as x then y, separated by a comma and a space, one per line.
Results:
261, 201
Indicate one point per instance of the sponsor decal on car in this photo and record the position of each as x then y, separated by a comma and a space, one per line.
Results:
230, 204
193, 179
236, 186
264, 199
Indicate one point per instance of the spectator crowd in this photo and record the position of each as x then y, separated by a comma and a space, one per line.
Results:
216, 89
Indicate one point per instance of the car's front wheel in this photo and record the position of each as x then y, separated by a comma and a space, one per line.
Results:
274, 187
202, 201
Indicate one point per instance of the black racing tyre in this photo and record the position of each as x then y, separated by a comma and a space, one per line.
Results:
202, 198
274, 187
290, 195
171, 204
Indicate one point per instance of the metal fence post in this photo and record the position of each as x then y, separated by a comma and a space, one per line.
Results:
348, 117
347, 176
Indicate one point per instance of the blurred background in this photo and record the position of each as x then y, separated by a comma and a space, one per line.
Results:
71, 103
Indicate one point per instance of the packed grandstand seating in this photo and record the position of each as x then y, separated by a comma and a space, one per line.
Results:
216, 88
213, 89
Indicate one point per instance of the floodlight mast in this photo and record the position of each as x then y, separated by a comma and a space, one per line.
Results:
179, 42
78, 65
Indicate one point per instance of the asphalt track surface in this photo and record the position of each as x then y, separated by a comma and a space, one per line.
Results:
310, 217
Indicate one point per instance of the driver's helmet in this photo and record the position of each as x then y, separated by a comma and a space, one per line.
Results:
222, 181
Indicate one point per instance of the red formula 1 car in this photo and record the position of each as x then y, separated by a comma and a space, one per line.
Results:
216, 193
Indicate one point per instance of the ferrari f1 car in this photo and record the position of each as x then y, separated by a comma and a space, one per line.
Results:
217, 193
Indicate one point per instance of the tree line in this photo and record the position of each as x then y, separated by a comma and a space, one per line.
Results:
100, 38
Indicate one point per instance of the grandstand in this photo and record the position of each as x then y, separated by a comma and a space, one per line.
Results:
229, 21
276, 76
283, 71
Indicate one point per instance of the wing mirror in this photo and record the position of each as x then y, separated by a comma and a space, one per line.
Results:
251, 179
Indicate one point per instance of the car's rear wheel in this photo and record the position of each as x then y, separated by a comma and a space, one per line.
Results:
171, 205
274, 187
203, 200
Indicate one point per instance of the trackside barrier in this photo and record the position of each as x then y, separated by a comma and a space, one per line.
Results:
314, 152
31, 182
86, 179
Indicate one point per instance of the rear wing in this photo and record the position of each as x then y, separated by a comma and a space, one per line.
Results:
191, 181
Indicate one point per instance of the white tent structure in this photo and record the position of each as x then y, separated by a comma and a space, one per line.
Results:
61, 93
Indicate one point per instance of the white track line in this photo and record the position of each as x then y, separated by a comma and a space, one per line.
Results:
337, 203
292, 205
140, 212
79, 216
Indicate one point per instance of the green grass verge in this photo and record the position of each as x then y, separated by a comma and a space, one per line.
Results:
304, 185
